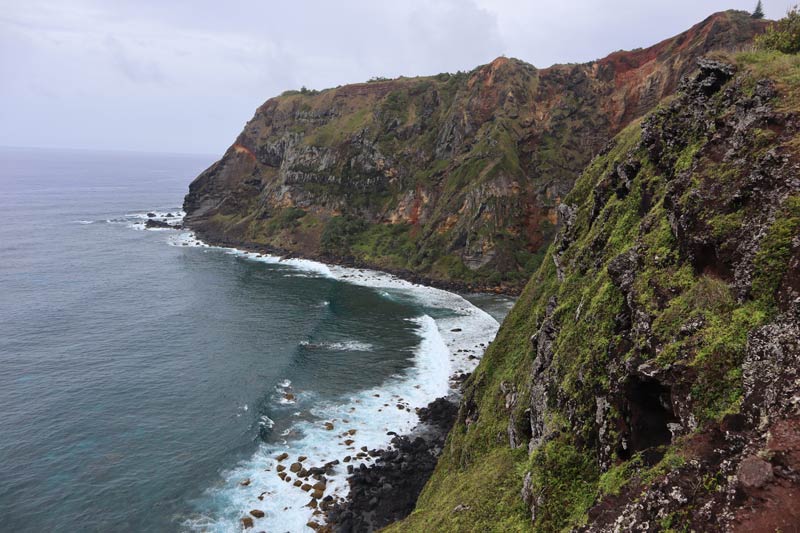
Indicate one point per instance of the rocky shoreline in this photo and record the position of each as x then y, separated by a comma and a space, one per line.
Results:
350, 262
387, 490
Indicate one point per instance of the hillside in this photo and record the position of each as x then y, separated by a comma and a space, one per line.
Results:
454, 178
647, 378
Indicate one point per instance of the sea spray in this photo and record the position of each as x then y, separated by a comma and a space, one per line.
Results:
452, 333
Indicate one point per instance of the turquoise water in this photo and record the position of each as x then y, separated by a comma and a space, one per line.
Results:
143, 377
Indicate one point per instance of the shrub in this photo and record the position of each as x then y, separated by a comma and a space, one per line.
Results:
784, 35
287, 218
339, 234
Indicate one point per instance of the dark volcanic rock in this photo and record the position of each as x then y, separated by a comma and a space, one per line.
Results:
387, 490
151, 223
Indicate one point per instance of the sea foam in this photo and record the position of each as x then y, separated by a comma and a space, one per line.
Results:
450, 344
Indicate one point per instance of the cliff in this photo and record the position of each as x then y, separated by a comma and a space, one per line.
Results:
450, 178
648, 379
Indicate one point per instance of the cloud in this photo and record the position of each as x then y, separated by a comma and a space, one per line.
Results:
185, 75
141, 69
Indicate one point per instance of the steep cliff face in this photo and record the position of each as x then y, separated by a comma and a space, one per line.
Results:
452, 177
648, 379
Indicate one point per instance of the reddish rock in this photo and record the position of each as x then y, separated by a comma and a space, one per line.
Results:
754, 472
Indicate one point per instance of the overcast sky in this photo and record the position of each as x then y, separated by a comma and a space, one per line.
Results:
185, 75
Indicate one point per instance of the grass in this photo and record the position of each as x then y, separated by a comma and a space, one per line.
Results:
697, 320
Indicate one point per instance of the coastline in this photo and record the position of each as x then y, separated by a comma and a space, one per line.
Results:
351, 262
409, 452
387, 490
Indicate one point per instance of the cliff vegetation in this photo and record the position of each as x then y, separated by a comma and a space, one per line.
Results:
647, 379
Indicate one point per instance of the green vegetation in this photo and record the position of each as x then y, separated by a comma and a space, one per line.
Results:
696, 321
771, 261
784, 35
758, 12
340, 233
642, 284
287, 218
565, 478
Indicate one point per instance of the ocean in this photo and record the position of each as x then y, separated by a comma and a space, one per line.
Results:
148, 381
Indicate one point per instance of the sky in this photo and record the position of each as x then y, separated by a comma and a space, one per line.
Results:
186, 75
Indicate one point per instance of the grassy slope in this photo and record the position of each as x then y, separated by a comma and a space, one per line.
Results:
479, 470
406, 120
470, 167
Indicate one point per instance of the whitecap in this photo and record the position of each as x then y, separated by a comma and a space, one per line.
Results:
446, 344
343, 346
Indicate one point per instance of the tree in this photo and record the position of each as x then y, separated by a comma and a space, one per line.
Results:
784, 35
758, 13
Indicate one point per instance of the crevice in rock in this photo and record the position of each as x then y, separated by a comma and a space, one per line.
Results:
648, 411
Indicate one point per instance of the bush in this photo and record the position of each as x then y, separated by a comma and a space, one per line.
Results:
287, 218
339, 234
784, 35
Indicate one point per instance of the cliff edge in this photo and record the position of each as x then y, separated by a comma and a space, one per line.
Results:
449, 178
648, 379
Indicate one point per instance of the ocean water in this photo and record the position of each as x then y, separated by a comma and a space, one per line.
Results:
148, 381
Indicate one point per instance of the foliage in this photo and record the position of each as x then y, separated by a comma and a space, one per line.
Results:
287, 218
771, 261
758, 12
696, 319
565, 478
784, 35
340, 233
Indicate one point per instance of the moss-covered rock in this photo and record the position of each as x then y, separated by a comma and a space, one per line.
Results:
654, 355
472, 166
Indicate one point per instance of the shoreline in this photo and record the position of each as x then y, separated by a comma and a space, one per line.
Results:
387, 490
409, 452
351, 262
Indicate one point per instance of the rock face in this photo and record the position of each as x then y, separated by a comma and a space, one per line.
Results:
451, 177
648, 378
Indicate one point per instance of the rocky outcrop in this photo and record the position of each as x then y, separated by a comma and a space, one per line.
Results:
151, 223
387, 490
655, 354
451, 177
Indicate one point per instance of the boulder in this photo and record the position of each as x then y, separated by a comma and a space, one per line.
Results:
754, 472
150, 224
